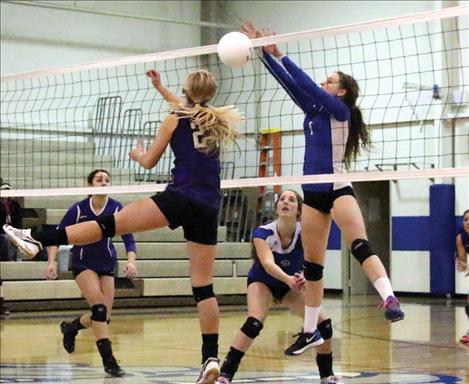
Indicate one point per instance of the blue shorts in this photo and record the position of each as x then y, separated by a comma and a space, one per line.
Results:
278, 292
199, 221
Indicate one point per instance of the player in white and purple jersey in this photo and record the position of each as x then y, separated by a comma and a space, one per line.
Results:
333, 129
462, 250
275, 277
196, 132
93, 269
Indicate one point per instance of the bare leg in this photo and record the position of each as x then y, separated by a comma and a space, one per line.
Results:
259, 302
202, 263
139, 216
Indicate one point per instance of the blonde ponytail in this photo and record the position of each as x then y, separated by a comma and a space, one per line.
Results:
217, 124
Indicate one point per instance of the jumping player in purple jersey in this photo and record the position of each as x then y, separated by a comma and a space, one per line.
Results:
196, 132
275, 278
93, 269
333, 127
462, 250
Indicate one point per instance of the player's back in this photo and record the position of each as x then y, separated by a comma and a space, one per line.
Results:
196, 174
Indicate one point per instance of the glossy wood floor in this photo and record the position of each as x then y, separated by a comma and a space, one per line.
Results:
155, 347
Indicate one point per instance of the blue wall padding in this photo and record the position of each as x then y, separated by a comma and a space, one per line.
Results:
410, 233
334, 238
442, 238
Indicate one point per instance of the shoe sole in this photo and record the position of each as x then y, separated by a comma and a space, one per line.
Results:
19, 245
210, 376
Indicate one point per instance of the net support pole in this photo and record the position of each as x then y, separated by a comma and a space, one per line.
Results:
442, 239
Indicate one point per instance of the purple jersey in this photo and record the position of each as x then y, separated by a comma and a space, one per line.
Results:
99, 256
290, 260
465, 239
196, 175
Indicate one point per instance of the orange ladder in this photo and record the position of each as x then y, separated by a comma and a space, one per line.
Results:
270, 140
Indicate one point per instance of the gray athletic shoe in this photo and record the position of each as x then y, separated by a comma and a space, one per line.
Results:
23, 240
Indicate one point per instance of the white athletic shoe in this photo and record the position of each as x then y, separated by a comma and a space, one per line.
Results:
209, 372
23, 240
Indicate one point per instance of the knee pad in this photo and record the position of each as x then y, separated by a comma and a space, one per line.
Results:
99, 313
108, 321
107, 223
312, 271
325, 329
203, 293
361, 250
252, 327
467, 310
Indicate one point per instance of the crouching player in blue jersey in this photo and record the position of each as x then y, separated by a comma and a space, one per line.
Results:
275, 277
333, 127
93, 269
196, 132
462, 265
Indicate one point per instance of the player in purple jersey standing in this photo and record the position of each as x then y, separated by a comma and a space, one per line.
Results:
93, 268
196, 131
333, 127
462, 250
275, 278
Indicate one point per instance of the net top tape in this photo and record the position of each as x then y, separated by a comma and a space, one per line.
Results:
283, 38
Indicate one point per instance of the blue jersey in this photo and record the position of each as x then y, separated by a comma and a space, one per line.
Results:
465, 239
325, 126
196, 175
290, 260
99, 256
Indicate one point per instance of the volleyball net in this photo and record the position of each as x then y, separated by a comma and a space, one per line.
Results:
59, 124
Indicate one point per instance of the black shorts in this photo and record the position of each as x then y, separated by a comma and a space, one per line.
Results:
277, 292
77, 271
323, 201
199, 222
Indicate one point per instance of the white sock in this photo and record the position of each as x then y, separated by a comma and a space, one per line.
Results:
383, 286
310, 323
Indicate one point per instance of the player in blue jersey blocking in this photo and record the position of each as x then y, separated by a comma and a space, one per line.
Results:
276, 278
462, 265
333, 128
196, 132
93, 268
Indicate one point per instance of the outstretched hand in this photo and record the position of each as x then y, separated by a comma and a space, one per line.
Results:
272, 48
155, 77
250, 30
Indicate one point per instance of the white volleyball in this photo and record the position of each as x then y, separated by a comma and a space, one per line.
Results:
234, 49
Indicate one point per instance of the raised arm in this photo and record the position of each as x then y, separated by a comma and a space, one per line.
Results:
165, 92
297, 94
148, 159
331, 103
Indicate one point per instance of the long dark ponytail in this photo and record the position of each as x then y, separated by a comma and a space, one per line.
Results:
358, 130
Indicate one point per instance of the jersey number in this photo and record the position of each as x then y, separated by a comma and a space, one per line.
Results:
200, 141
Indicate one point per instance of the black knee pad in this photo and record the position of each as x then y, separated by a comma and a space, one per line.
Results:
99, 313
325, 329
252, 327
361, 250
108, 321
467, 310
203, 293
107, 223
312, 271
